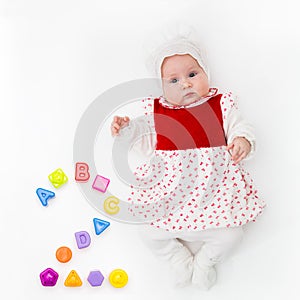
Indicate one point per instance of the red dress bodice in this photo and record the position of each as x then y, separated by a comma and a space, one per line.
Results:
187, 128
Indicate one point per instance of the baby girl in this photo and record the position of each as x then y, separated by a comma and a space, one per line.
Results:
202, 139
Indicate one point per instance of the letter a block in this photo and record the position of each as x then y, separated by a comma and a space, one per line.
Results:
44, 195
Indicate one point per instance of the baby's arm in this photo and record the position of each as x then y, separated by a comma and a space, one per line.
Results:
137, 133
239, 132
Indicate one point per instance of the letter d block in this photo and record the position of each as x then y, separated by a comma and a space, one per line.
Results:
83, 239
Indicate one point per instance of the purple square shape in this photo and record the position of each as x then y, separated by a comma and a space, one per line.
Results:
101, 183
95, 278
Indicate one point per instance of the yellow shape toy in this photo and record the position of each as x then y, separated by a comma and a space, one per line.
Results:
73, 279
118, 278
58, 178
111, 205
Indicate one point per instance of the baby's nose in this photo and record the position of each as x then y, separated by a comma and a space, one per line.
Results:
186, 84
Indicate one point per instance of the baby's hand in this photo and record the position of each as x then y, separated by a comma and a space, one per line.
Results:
240, 147
117, 124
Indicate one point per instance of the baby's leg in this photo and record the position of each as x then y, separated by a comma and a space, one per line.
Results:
164, 245
218, 244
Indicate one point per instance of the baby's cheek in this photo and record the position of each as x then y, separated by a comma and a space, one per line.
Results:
172, 95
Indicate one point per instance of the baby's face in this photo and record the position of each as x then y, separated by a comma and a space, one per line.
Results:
183, 80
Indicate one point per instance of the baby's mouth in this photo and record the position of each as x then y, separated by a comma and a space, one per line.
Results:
190, 94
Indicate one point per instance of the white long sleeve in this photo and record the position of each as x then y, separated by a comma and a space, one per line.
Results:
139, 135
234, 124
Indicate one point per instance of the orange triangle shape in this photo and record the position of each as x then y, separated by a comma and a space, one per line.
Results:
73, 279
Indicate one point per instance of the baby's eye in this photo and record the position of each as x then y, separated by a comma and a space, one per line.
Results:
192, 74
174, 80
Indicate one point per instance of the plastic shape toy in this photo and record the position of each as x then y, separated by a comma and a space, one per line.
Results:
83, 239
82, 172
73, 279
118, 278
49, 277
63, 254
58, 178
111, 205
100, 183
100, 225
44, 195
95, 278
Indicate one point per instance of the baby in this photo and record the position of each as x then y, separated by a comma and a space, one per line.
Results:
202, 139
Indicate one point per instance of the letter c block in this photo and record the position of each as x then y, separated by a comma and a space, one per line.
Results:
111, 205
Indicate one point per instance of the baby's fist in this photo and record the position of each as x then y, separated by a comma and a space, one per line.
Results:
240, 148
117, 124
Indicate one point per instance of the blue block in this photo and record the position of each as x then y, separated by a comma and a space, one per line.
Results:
100, 225
44, 195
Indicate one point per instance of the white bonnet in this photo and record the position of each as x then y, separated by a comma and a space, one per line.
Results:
175, 38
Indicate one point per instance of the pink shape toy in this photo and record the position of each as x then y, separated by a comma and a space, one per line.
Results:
82, 172
101, 183
49, 277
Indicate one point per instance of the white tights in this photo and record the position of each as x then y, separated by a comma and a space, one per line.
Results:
216, 245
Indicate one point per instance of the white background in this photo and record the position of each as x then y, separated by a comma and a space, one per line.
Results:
56, 57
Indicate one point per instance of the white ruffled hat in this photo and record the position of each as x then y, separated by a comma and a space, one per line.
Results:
176, 38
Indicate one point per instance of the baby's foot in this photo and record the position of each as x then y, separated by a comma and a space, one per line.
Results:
204, 273
204, 277
182, 267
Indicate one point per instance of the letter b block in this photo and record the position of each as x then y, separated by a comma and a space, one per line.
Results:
82, 172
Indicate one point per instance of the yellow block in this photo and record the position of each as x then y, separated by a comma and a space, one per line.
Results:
58, 178
111, 205
118, 278
73, 279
